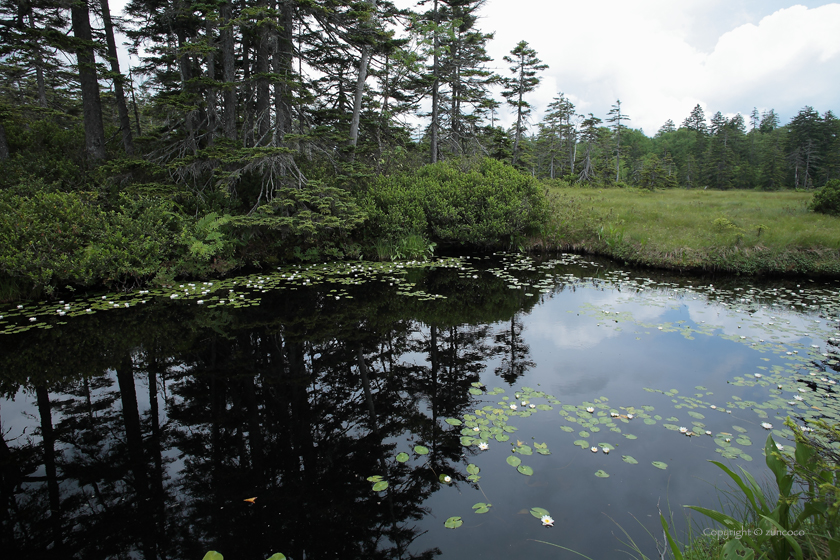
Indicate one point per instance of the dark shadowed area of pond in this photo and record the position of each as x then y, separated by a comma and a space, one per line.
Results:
407, 410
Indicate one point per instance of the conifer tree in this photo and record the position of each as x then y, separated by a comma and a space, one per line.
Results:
524, 66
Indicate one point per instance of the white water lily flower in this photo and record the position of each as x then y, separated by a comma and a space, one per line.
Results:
757, 374
614, 414
803, 390
779, 386
476, 429
727, 440
447, 479
32, 319
593, 449
21, 307
513, 407
606, 450
483, 445
767, 425
533, 406
780, 447
713, 406
683, 429
629, 416
590, 409
708, 432
547, 521
797, 397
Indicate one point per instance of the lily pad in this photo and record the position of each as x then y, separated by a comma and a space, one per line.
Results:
475, 391
213, 555
582, 443
472, 469
375, 478
567, 429
539, 512
630, 436
659, 465
601, 474
421, 450
380, 486
403, 457
453, 422
513, 461
453, 523
629, 459
277, 556
481, 507
526, 470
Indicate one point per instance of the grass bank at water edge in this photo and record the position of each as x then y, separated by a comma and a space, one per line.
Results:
741, 232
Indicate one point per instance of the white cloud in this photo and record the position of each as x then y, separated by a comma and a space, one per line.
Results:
662, 57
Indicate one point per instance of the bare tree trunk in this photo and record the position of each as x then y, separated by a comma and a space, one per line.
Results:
435, 87
228, 72
4, 144
282, 66
211, 96
357, 98
263, 91
360, 85
122, 109
91, 104
134, 102
39, 63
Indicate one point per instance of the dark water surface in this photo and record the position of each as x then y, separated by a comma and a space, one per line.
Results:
138, 425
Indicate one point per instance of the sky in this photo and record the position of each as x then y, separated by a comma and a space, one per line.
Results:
663, 57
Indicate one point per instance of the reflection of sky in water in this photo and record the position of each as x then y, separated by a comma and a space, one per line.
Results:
582, 353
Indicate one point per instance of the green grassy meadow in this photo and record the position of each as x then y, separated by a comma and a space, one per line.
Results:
746, 232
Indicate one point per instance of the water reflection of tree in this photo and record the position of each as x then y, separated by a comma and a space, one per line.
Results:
155, 424
515, 353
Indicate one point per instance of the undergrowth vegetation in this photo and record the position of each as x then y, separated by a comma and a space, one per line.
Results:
797, 518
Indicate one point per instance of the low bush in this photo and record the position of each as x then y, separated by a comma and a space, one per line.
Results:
485, 204
827, 199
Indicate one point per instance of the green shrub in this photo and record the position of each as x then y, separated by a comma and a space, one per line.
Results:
827, 199
488, 205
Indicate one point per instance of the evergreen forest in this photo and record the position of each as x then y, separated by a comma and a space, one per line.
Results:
259, 132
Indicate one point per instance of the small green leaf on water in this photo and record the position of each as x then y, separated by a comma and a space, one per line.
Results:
502, 437
567, 429
403, 456
453, 523
277, 556
472, 469
524, 450
213, 555
380, 486
466, 440
453, 422
630, 436
526, 470
746, 457
601, 474
539, 512
513, 461
583, 433
629, 459
650, 421
475, 391
582, 443
375, 478
659, 465
420, 450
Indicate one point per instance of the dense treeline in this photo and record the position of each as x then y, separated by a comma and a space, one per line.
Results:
720, 153
254, 131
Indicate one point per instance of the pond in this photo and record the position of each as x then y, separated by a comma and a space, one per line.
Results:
399, 410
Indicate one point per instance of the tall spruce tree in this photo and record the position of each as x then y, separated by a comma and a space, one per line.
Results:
524, 67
